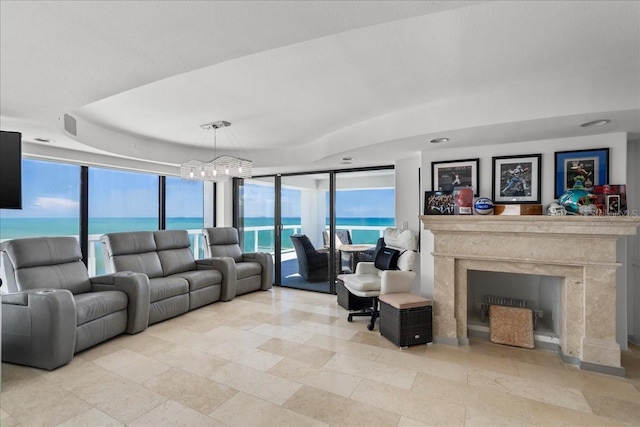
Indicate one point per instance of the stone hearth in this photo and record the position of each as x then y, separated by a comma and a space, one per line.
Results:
579, 250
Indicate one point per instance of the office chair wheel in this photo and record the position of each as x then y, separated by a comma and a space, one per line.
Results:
370, 326
349, 318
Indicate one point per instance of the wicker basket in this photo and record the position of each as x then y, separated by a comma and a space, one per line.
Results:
406, 326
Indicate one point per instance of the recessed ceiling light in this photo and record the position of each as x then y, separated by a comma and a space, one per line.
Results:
439, 140
47, 140
595, 123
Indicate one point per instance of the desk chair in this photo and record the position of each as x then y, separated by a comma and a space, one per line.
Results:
370, 282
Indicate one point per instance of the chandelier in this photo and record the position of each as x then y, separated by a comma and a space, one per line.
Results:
221, 168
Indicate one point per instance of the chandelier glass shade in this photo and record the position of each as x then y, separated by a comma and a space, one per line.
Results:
221, 168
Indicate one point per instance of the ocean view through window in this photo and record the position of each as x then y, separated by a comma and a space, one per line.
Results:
51, 200
185, 210
120, 201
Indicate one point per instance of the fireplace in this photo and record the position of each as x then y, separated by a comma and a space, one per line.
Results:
539, 293
580, 251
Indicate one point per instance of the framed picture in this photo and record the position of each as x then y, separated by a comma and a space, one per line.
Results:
445, 176
581, 169
516, 179
438, 203
611, 199
613, 204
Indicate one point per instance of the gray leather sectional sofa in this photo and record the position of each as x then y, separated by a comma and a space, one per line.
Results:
177, 282
53, 309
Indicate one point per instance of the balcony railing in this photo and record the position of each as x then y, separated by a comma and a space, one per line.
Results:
252, 235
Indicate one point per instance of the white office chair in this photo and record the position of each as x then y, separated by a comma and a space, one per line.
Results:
370, 282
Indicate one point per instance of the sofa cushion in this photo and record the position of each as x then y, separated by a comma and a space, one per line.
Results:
201, 278
223, 242
248, 269
171, 239
176, 261
147, 263
46, 261
174, 251
94, 305
167, 287
129, 242
40, 251
232, 251
72, 276
132, 251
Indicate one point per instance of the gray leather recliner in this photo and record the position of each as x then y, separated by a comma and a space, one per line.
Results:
53, 309
251, 271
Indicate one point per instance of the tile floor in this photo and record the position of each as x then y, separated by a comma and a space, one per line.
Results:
290, 358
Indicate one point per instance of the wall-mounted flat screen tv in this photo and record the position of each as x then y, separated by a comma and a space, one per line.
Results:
10, 170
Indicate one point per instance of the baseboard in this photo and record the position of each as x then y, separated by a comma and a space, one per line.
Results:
602, 369
570, 360
446, 340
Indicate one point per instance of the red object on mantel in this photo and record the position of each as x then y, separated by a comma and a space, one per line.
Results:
611, 199
464, 201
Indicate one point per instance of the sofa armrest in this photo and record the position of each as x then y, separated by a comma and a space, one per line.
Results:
136, 286
266, 262
39, 328
226, 266
396, 281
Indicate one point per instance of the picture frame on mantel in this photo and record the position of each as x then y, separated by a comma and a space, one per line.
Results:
583, 169
517, 179
451, 174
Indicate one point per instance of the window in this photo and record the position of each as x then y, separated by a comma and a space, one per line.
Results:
51, 200
119, 201
365, 203
185, 210
257, 215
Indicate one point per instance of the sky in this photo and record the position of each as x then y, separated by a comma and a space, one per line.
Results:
51, 190
374, 203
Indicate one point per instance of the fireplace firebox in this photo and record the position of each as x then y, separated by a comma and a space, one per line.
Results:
541, 294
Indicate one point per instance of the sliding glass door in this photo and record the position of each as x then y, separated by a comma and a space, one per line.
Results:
305, 254
365, 204
256, 215
303, 219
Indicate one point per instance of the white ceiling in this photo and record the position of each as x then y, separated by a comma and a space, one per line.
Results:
308, 83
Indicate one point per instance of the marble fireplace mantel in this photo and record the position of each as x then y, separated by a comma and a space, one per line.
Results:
581, 250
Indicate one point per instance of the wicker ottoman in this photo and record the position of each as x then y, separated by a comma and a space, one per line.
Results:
405, 319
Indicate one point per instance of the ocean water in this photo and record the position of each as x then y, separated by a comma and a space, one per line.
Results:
12, 228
